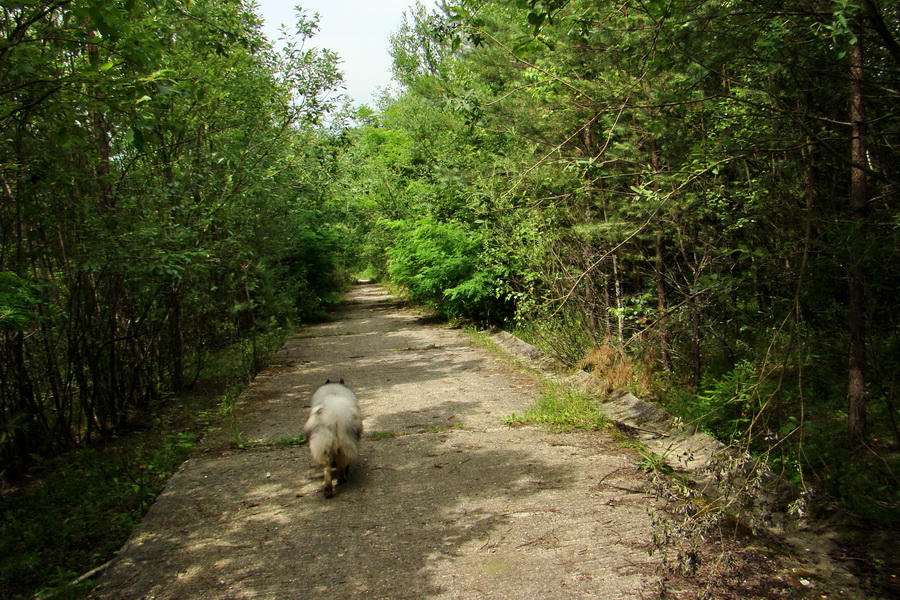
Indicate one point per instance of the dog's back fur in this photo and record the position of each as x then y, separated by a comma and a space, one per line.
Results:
333, 430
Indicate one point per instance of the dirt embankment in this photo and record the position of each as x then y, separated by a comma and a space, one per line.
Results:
446, 502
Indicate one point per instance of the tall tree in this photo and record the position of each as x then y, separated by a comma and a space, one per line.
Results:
670, 178
164, 197
859, 208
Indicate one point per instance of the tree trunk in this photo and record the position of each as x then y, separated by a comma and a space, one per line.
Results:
177, 342
662, 304
696, 354
590, 252
859, 205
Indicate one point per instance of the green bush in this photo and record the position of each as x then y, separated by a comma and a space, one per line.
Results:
441, 265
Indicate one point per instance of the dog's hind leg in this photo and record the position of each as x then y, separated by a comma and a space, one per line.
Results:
343, 473
341, 466
328, 489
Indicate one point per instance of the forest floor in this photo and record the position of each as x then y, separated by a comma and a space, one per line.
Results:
445, 502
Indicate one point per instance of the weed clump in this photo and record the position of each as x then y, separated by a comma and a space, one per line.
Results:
562, 409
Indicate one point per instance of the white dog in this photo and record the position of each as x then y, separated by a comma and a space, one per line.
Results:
333, 430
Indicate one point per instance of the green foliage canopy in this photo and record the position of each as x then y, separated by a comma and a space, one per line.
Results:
164, 178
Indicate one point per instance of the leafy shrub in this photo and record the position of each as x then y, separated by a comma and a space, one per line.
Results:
724, 406
311, 271
441, 264
564, 336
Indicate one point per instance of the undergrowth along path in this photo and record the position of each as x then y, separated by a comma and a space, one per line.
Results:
446, 502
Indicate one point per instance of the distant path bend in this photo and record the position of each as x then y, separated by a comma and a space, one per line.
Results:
446, 502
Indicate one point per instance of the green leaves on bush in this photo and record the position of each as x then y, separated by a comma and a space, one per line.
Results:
442, 265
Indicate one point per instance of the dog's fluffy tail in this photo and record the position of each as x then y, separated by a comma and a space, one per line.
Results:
333, 430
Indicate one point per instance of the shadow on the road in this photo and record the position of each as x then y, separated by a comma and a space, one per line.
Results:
253, 525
